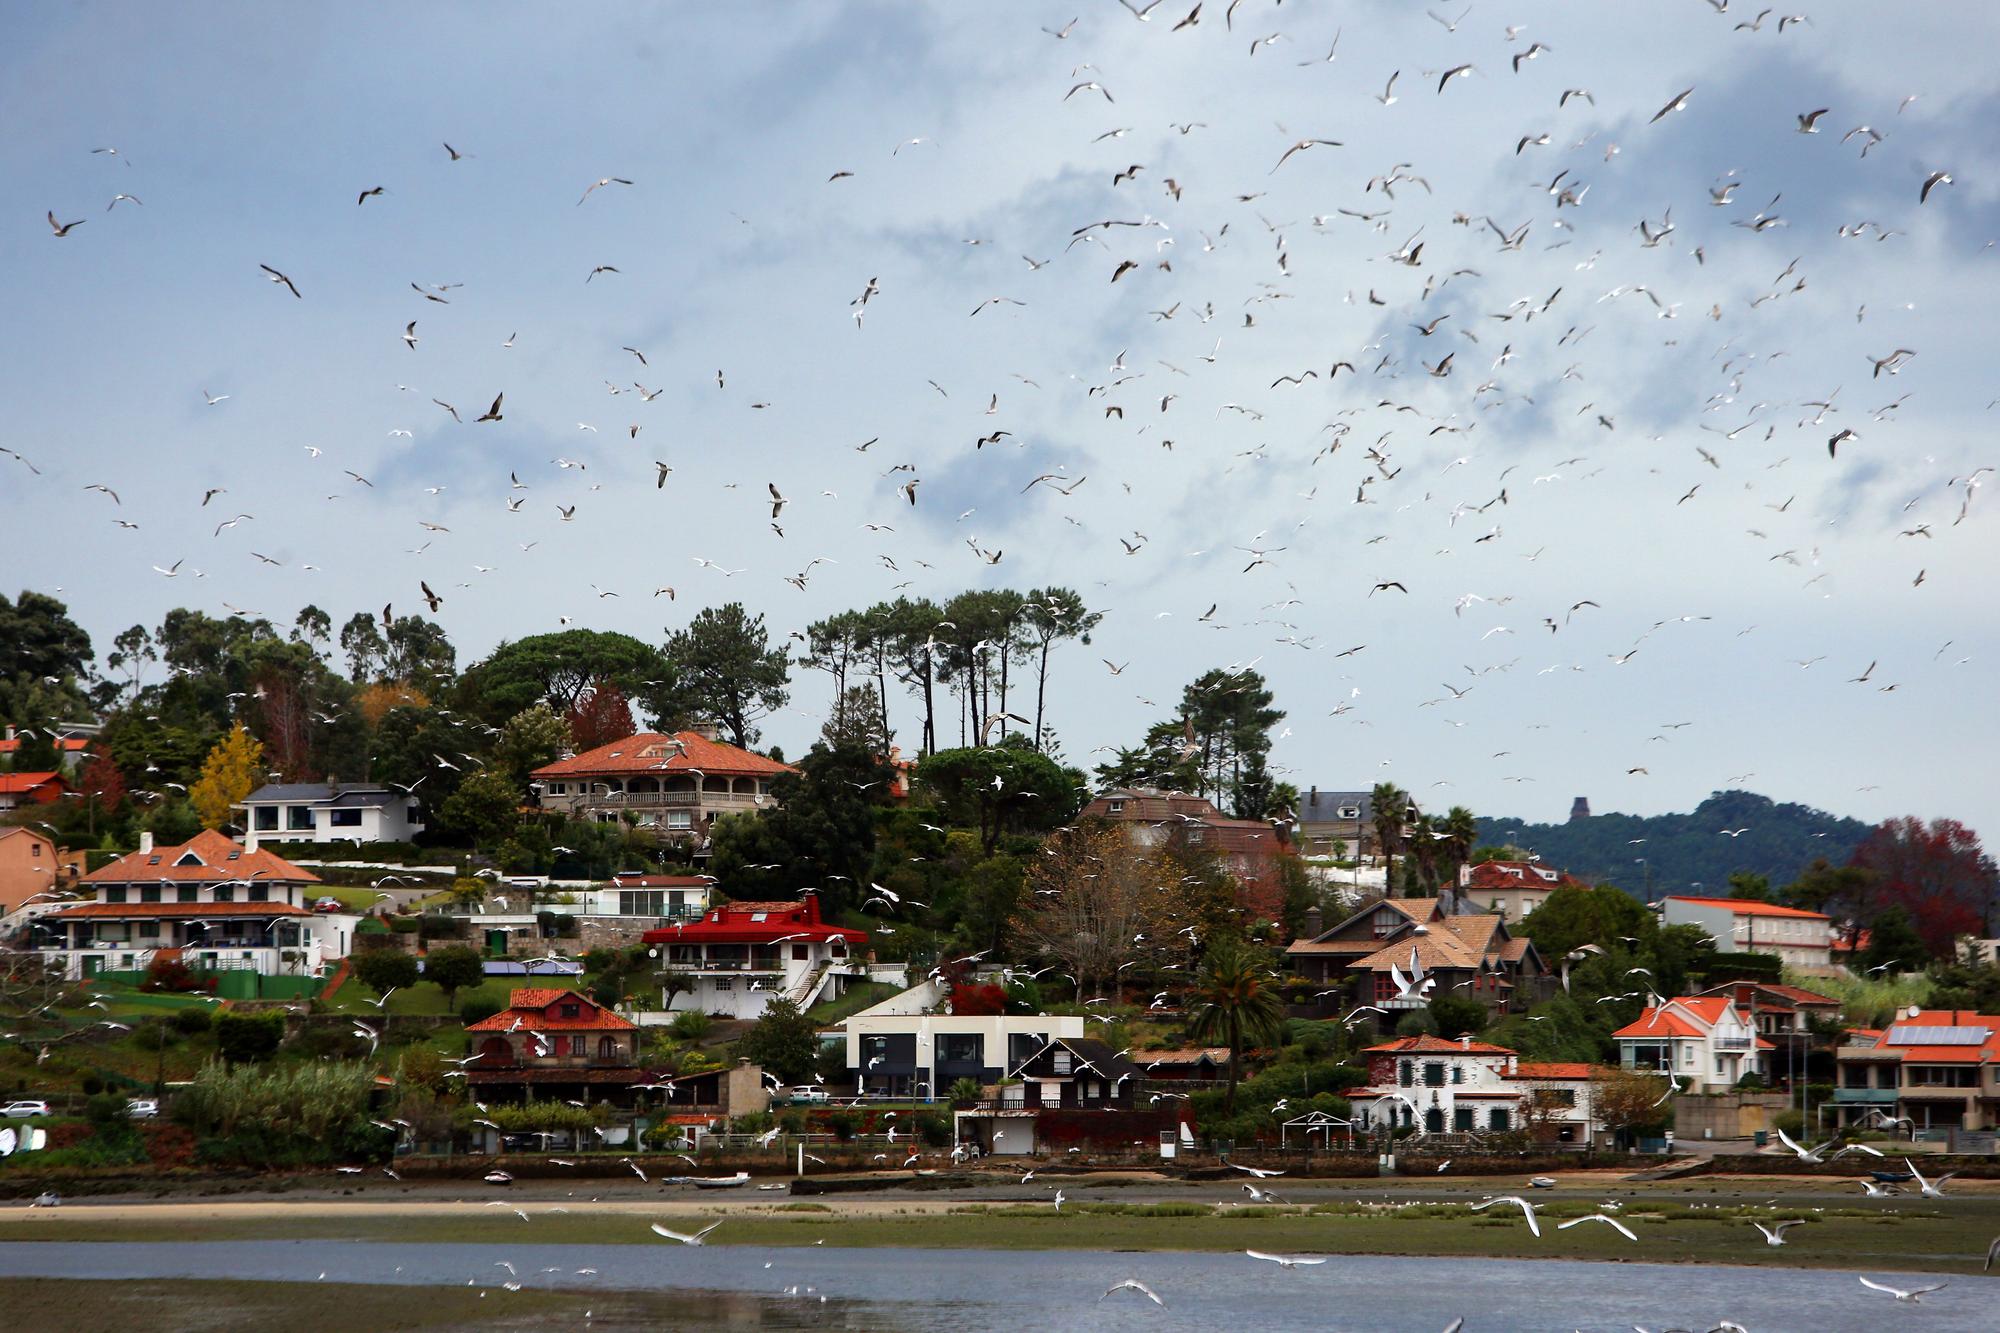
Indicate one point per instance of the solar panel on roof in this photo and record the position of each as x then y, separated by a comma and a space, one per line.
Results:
1940, 1036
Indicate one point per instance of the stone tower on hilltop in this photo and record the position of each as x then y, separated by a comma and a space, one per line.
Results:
1579, 809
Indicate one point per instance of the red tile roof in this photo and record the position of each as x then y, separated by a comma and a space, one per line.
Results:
13, 784
654, 752
530, 1010
1438, 1046
1672, 1019
757, 923
1555, 1069
1520, 875
71, 744
213, 851
151, 911
1748, 907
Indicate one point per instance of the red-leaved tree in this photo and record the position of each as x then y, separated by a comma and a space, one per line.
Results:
1938, 873
600, 717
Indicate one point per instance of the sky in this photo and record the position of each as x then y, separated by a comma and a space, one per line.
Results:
1627, 566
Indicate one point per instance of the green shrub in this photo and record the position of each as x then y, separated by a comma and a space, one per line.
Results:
478, 1008
1792, 1122
845, 1125
247, 1038
107, 1110
934, 1130
690, 1025
92, 1085
193, 1020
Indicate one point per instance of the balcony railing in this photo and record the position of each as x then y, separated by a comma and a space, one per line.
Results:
1733, 1043
1865, 1096
680, 800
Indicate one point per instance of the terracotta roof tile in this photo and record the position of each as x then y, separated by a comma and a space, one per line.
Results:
213, 851
1438, 1046
1555, 1069
528, 1011
1749, 907
655, 752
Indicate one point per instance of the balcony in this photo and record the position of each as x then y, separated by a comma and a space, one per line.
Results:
1734, 1043
1865, 1096
659, 800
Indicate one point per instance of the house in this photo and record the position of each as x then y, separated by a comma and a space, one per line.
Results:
1512, 888
1200, 1064
1249, 849
329, 812
72, 746
553, 1044
1438, 1085
1337, 823
1067, 1093
210, 903
742, 955
672, 786
892, 1052
1783, 1015
1743, 925
25, 789
31, 866
1704, 1042
1939, 1067
1470, 953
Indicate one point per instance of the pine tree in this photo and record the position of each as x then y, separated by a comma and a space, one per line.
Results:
229, 774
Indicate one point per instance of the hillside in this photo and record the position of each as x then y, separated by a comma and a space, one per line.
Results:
1682, 850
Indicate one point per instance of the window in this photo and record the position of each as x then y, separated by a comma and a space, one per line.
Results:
265, 819
1062, 1060
35, 850
1406, 1073
149, 930
1196, 835
185, 893
260, 893
558, 789
1117, 807
1433, 1074
1458, 1073
1500, 1120
149, 894
607, 1048
1350, 812
344, 818
114, 893
225, 893
1461, 1119
641, 902
571, 1011
960, 1047
801, 953
724, 983
680, 819
299, 817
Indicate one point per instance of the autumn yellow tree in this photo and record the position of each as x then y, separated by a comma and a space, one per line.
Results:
229, 774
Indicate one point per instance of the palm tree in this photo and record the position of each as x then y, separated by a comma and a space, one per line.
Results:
1390, 806
1462, 826
1424, 840
1236, 1001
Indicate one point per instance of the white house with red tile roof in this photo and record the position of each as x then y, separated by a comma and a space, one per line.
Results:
1512, 888
743, 955
1744, 925
673, 786
210, 902
23, 789
1438, 1085
1704, 1041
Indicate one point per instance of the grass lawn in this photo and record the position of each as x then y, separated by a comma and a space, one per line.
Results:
1945, 1238
421, 1000
856, 999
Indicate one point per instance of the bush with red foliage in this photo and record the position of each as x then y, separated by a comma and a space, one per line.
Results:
167, 1145
169, 974
600, 717
980, 1000
1938, 873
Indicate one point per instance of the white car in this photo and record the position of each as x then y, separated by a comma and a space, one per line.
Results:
142, 1108
23, 1110
807, 1093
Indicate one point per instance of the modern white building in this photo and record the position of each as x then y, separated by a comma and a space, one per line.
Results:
210, 903
329, 812
893, 1052
1704, 1041
1743, 925
741, 956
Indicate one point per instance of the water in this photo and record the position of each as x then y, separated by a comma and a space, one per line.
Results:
1009, 1291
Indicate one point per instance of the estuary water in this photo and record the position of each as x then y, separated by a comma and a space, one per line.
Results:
1011, 1291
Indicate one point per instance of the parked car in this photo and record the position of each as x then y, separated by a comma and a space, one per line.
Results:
142, 1108
807, 1093
24, 1110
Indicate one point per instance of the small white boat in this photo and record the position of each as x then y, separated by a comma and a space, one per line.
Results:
737, 1181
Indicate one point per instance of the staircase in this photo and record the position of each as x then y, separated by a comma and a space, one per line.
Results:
801, 994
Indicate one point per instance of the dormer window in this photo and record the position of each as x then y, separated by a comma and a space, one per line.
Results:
153, 861
1350, 812
1117, 807
571, 1011
189, 859
234, 855
759, 916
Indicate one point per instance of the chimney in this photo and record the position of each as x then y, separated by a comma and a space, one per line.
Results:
145, 835
1313, 924
1465, 1041
707, 729
250, 840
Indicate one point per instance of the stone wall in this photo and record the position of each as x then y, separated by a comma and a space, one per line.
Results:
610, 932
1728, 1115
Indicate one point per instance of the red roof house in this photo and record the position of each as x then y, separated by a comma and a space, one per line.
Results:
674, 786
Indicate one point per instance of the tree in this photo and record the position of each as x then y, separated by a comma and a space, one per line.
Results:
1052, 616
784, 1041
313, 627
38, 640
725, 667
1096, 902
533, 737
855, 720
361, 639
454, 967
600, 717
557, 669
1456, 1015
1748, 884
1461, 829
1895, 943
1939, 874
820, 835
233, 769
1630, 1103
1391, 812
1571, 917
248, 1038
1004, 788
1234, 1000
384, 970
102, 787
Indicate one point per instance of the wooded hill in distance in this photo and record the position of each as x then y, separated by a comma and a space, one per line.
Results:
1682, 850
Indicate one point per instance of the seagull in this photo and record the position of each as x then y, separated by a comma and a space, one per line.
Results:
1622, 1229
1931, 1189
1931, 182
1774, 1236
278, 277
1285, 1260
1677, 103
1134, 1284
65, 228
1913, 1295
1526, 1208
1261, 1174
695, 1239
